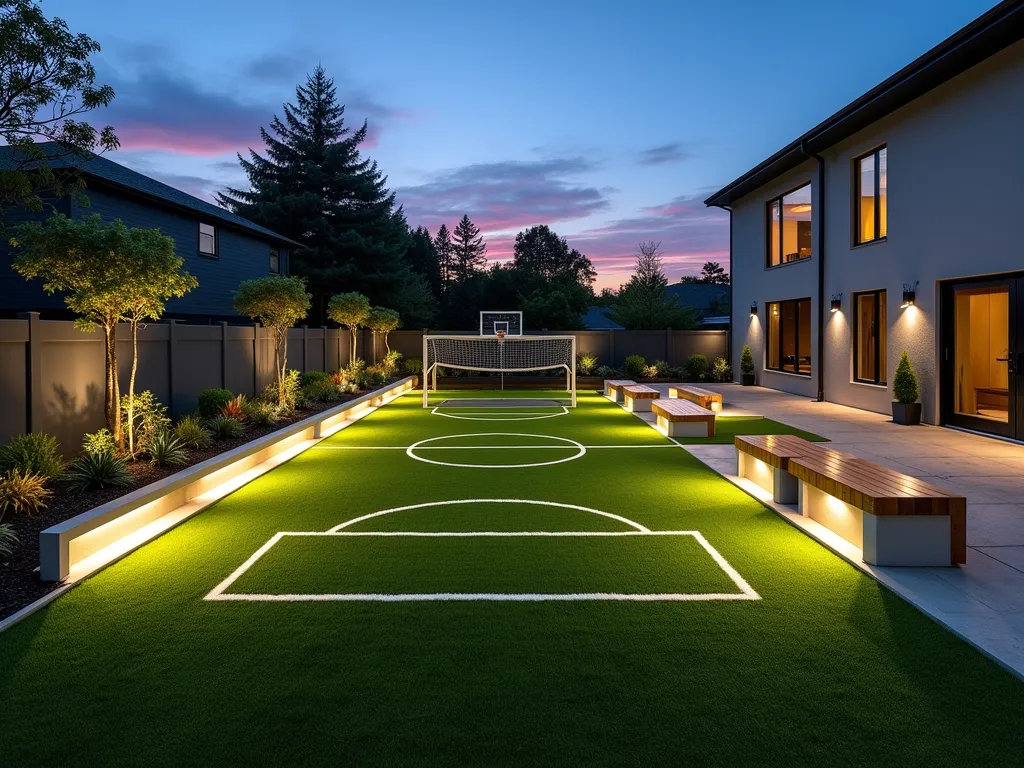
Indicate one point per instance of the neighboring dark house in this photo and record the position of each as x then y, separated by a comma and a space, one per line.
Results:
596, 319
218, 247
708, 299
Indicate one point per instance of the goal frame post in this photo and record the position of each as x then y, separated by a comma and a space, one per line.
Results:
430, 367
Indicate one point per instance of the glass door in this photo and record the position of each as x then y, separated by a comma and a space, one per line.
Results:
981, 375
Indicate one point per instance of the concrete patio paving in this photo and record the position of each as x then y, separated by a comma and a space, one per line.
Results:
982, 601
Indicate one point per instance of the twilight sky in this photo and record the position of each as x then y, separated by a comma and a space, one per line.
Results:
608, 120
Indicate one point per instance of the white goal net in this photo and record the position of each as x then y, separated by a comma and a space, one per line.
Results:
491, 355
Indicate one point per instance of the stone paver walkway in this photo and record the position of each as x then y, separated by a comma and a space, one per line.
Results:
982, 601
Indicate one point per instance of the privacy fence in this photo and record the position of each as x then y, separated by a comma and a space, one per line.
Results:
51, 373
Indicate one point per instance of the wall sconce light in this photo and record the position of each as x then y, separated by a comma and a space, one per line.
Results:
909, 295
753, 308
775, 310
837, 302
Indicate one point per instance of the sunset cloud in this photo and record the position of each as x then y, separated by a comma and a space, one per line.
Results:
665, 154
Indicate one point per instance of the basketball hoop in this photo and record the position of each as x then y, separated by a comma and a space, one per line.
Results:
500, 335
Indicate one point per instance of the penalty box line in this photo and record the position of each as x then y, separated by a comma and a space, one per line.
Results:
746, 592
477, 447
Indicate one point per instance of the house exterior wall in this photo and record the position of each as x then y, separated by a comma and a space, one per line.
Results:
240, 256
955, 205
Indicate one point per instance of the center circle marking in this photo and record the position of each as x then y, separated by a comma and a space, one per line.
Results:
411, 450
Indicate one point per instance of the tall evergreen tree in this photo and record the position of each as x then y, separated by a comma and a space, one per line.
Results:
538, 249
423, 260
445, 256
315, 187
470, 249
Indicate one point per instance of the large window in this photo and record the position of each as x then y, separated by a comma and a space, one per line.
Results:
275, 261
789, 336
872, 184
789, 227
207, 239
869, 337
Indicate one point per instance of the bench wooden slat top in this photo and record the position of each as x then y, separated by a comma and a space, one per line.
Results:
641, 391
777, 450
681, 410
616, 383
699, 391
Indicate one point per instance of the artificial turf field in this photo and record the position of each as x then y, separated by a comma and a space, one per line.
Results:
665, 617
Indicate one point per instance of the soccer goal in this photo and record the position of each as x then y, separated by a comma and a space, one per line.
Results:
500, 355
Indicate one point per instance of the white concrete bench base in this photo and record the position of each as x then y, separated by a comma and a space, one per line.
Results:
683, 428
784, 488
905, 540
638, 404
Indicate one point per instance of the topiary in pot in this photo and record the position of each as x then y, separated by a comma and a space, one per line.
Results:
746, 367
905, 408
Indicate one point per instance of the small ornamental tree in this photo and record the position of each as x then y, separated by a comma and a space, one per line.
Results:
746, 361
904, 385
350, 310
93, 263
383, 320
277, 302
156, 277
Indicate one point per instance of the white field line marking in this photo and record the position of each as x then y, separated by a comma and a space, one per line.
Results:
475, 447
515, 415
580, 451
458, 502
745, 593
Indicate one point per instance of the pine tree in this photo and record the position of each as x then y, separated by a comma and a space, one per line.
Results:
445, 256
422, 259
470, 249
314, 187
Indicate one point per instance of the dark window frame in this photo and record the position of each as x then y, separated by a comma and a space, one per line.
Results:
796, 337
880, 297
876, 155
782, 213
275, 254
199, 240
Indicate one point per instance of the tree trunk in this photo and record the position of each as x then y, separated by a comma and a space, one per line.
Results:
352, 354
282, 363
131, 389
386, 345
113, 395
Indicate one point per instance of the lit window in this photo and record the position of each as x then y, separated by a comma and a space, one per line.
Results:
789, 227
207, 239
275, 261
869, 337
789, 336
872, 187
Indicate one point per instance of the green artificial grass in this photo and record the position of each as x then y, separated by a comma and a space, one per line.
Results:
727, 427
135, 667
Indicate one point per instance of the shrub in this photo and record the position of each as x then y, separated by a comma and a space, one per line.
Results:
634, 366
98, 442
606, 372
224, 427
290, 383
348, 388
212, 402
36, 454
8, 540
746, 360
95, 471
662, 368
191, 433
650, 371
321, 392
149, 416
261, 414
677, 372
23, 493
720, 370
697, 367
314, 377
372, 377
904, 385
585, 363
166, 450
412, 366
338, 378
390, 364
234, 408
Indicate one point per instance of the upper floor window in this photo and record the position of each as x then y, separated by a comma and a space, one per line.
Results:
275, 261
871, 219
207, 239
788, 343
789, 227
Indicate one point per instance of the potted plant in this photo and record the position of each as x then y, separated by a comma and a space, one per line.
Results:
905, 408
746, 367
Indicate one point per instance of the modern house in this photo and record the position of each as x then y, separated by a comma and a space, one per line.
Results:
835, 274
218, 247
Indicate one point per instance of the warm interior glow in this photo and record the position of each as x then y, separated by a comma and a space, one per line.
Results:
981, 370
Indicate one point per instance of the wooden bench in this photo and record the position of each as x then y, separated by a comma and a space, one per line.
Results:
613, 388
895, 519
639, 397
682, 418
705, 398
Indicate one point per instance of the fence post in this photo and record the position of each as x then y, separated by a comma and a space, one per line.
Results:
305, 342
33, 372
171, 355
223, 354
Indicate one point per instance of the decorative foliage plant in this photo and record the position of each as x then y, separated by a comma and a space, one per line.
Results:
585, 363
634, 366
904, 385
212, 402
166, 450
8, 539
22, 493
350, 310
383, 321
99, 441
35, 454
96, 471
697, 367
746, 361
191, 432
145, 417
224, 428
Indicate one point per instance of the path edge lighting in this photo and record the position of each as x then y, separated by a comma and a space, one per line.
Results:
909, 295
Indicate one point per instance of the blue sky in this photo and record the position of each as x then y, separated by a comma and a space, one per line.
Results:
609, 121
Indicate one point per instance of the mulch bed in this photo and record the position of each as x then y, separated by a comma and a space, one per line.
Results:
19, 577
